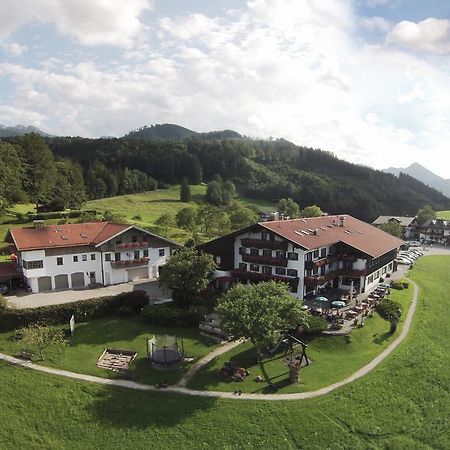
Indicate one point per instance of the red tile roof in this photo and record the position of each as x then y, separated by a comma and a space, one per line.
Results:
68, 235
316, 232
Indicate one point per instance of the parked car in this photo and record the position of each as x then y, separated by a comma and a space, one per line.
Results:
401, 260
414, 244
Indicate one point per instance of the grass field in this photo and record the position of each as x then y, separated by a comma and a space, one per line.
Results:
333, 359
443, 214
91, 338
403, 404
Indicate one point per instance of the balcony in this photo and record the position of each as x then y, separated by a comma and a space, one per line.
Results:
243, 275
133, 244
268, 260
123, 263
262, 243
321, 279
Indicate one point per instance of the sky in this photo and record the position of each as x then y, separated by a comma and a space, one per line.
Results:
368, 80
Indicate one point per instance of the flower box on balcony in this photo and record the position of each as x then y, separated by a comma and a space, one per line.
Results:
269, 260
262, 243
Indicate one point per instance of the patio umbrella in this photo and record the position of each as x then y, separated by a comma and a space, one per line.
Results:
338, 304
320, 299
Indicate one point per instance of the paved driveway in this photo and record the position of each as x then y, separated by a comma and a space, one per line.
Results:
25, 300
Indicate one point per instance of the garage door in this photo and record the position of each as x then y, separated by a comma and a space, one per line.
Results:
77, 279
61, 281
44, 284
137, 274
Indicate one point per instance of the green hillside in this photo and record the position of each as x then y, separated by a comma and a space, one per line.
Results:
443, 214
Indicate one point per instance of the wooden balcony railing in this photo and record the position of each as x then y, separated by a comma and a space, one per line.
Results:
129, 263
262, 243
268, 260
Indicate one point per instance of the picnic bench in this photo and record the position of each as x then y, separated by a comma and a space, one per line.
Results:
26, 354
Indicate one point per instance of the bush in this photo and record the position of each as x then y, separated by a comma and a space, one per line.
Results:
3, 305
171, 316
84, 310
316, 325
397, 285
405, 284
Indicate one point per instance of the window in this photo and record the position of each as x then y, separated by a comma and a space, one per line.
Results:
280, 271
241, 250
322, 271
133, 238
281, 254
118, 242
146, 253
265, 236
316, 254
292, 273
92, 256
117, 256
267, 270
243, 267
293, 256
254, 251
75, 258
162, 252
309, 257
84, 257
254, 267
107, 256
267, 252
323, 252
59, 261
29, 265
218, 259
137, 254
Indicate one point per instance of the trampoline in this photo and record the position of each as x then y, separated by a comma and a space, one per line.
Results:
165, 351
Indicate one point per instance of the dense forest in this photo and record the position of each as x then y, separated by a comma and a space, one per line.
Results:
64, 171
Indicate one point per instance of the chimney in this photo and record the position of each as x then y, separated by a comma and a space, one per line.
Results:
342, 219
38, 224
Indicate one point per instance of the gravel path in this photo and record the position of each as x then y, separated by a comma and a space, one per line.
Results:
181, 389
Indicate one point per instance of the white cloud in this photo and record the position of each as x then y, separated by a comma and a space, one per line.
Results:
282, 68
13, 48
90, 22
376, 23
430, 35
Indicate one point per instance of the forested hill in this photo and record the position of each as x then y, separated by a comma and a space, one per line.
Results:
265, 169
169, 131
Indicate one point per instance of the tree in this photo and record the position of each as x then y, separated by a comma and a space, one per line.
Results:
311, 211
11, 174
186, 219
41, 337
242, 217
185, 191
288, 208
260, 312
392, 227
424, 214
390, 311
165, 222
39, 168
214, 193
188, 272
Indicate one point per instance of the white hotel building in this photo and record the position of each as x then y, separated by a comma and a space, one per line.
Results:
309, 254
87, 254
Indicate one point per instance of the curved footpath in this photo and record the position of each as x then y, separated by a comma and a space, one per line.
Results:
181, 389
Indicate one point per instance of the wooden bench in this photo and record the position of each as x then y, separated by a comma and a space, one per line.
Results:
26, 354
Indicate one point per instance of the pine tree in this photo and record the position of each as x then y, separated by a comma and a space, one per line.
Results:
185, 191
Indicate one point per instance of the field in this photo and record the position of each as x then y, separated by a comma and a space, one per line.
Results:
403, 404
443, 214
91, 338
333, 359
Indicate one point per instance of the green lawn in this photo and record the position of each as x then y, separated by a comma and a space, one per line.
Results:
443, 214
333, 359
91, 338
403, 404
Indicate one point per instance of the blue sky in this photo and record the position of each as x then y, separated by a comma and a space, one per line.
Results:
366, 79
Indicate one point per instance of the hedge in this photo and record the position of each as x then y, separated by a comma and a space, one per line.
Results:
83, 310
172, 316
316, 325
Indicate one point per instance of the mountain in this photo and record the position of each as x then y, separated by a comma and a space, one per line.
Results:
424, 175
169, 131
19, 130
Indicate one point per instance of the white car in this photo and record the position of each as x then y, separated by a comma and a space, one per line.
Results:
414, 244
407, 258
401, 260
409, 255
416, 252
